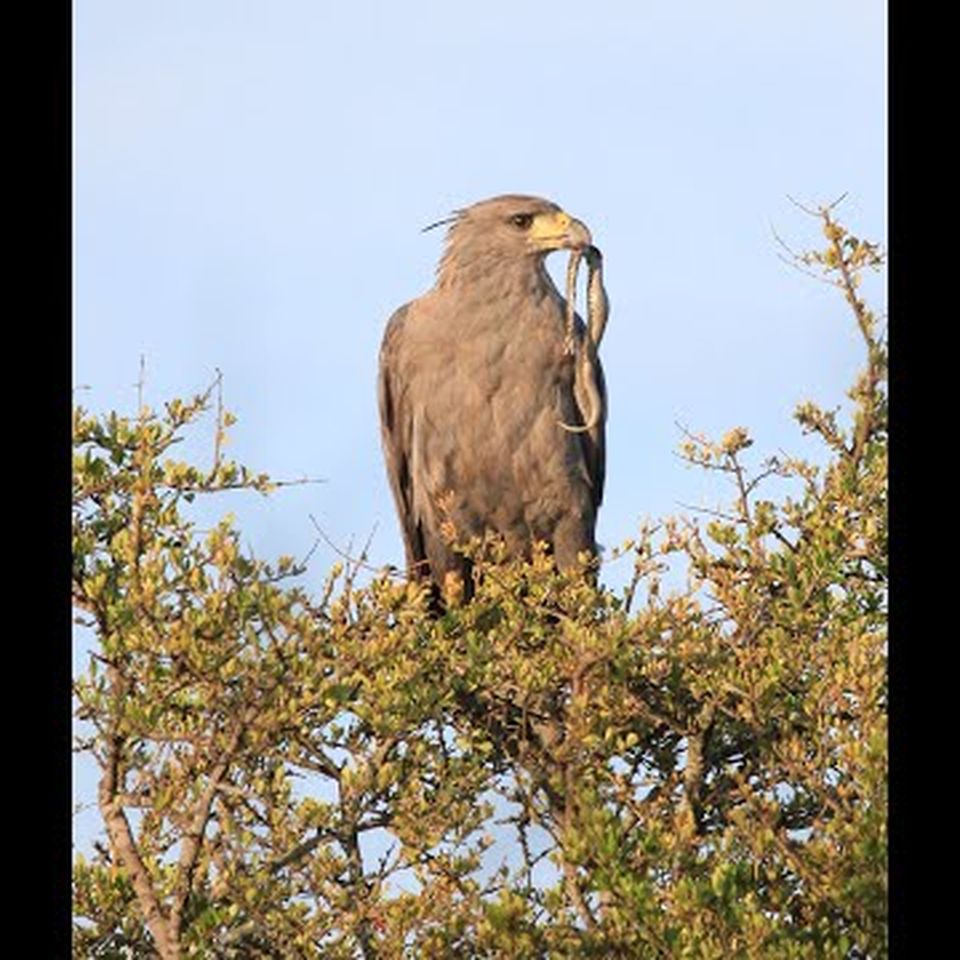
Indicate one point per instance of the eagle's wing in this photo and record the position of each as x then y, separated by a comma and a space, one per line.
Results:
396, 432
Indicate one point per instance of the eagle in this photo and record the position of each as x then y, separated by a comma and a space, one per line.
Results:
491, 394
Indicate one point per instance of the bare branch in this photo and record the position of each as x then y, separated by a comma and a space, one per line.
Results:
219, 432
140, 384
359, 562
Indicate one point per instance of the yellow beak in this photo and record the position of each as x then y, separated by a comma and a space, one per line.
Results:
558, 231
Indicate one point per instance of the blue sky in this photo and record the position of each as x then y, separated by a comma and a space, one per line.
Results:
251, 179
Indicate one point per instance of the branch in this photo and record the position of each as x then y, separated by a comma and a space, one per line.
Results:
219, 433
696, 757
360, 561
848, 284
124, 851
298, 852
190, 844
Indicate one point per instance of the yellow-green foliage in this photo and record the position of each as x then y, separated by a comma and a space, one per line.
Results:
697, 773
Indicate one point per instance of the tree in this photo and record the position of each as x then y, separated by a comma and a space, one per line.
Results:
698, 772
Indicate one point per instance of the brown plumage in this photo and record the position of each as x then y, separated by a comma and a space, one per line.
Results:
477, 379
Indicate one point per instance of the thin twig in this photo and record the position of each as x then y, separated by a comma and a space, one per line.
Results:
360, 561
819, 210
729, 517
219, 432
141, 380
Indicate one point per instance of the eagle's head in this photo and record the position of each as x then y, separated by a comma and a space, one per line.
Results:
507, 231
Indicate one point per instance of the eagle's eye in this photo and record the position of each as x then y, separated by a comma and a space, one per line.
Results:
522, 220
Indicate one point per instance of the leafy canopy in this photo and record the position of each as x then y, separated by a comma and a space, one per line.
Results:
551, 770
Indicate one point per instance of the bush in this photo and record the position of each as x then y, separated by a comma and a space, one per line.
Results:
693, 773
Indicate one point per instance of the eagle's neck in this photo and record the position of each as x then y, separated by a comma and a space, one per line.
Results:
491, 277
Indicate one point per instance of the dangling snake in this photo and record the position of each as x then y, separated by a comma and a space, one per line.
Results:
585, 350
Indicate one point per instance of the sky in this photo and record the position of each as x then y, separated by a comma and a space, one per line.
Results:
251, 180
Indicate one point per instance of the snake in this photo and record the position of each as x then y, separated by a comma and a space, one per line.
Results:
585, 350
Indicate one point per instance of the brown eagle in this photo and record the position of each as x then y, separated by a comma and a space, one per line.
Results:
492, 406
